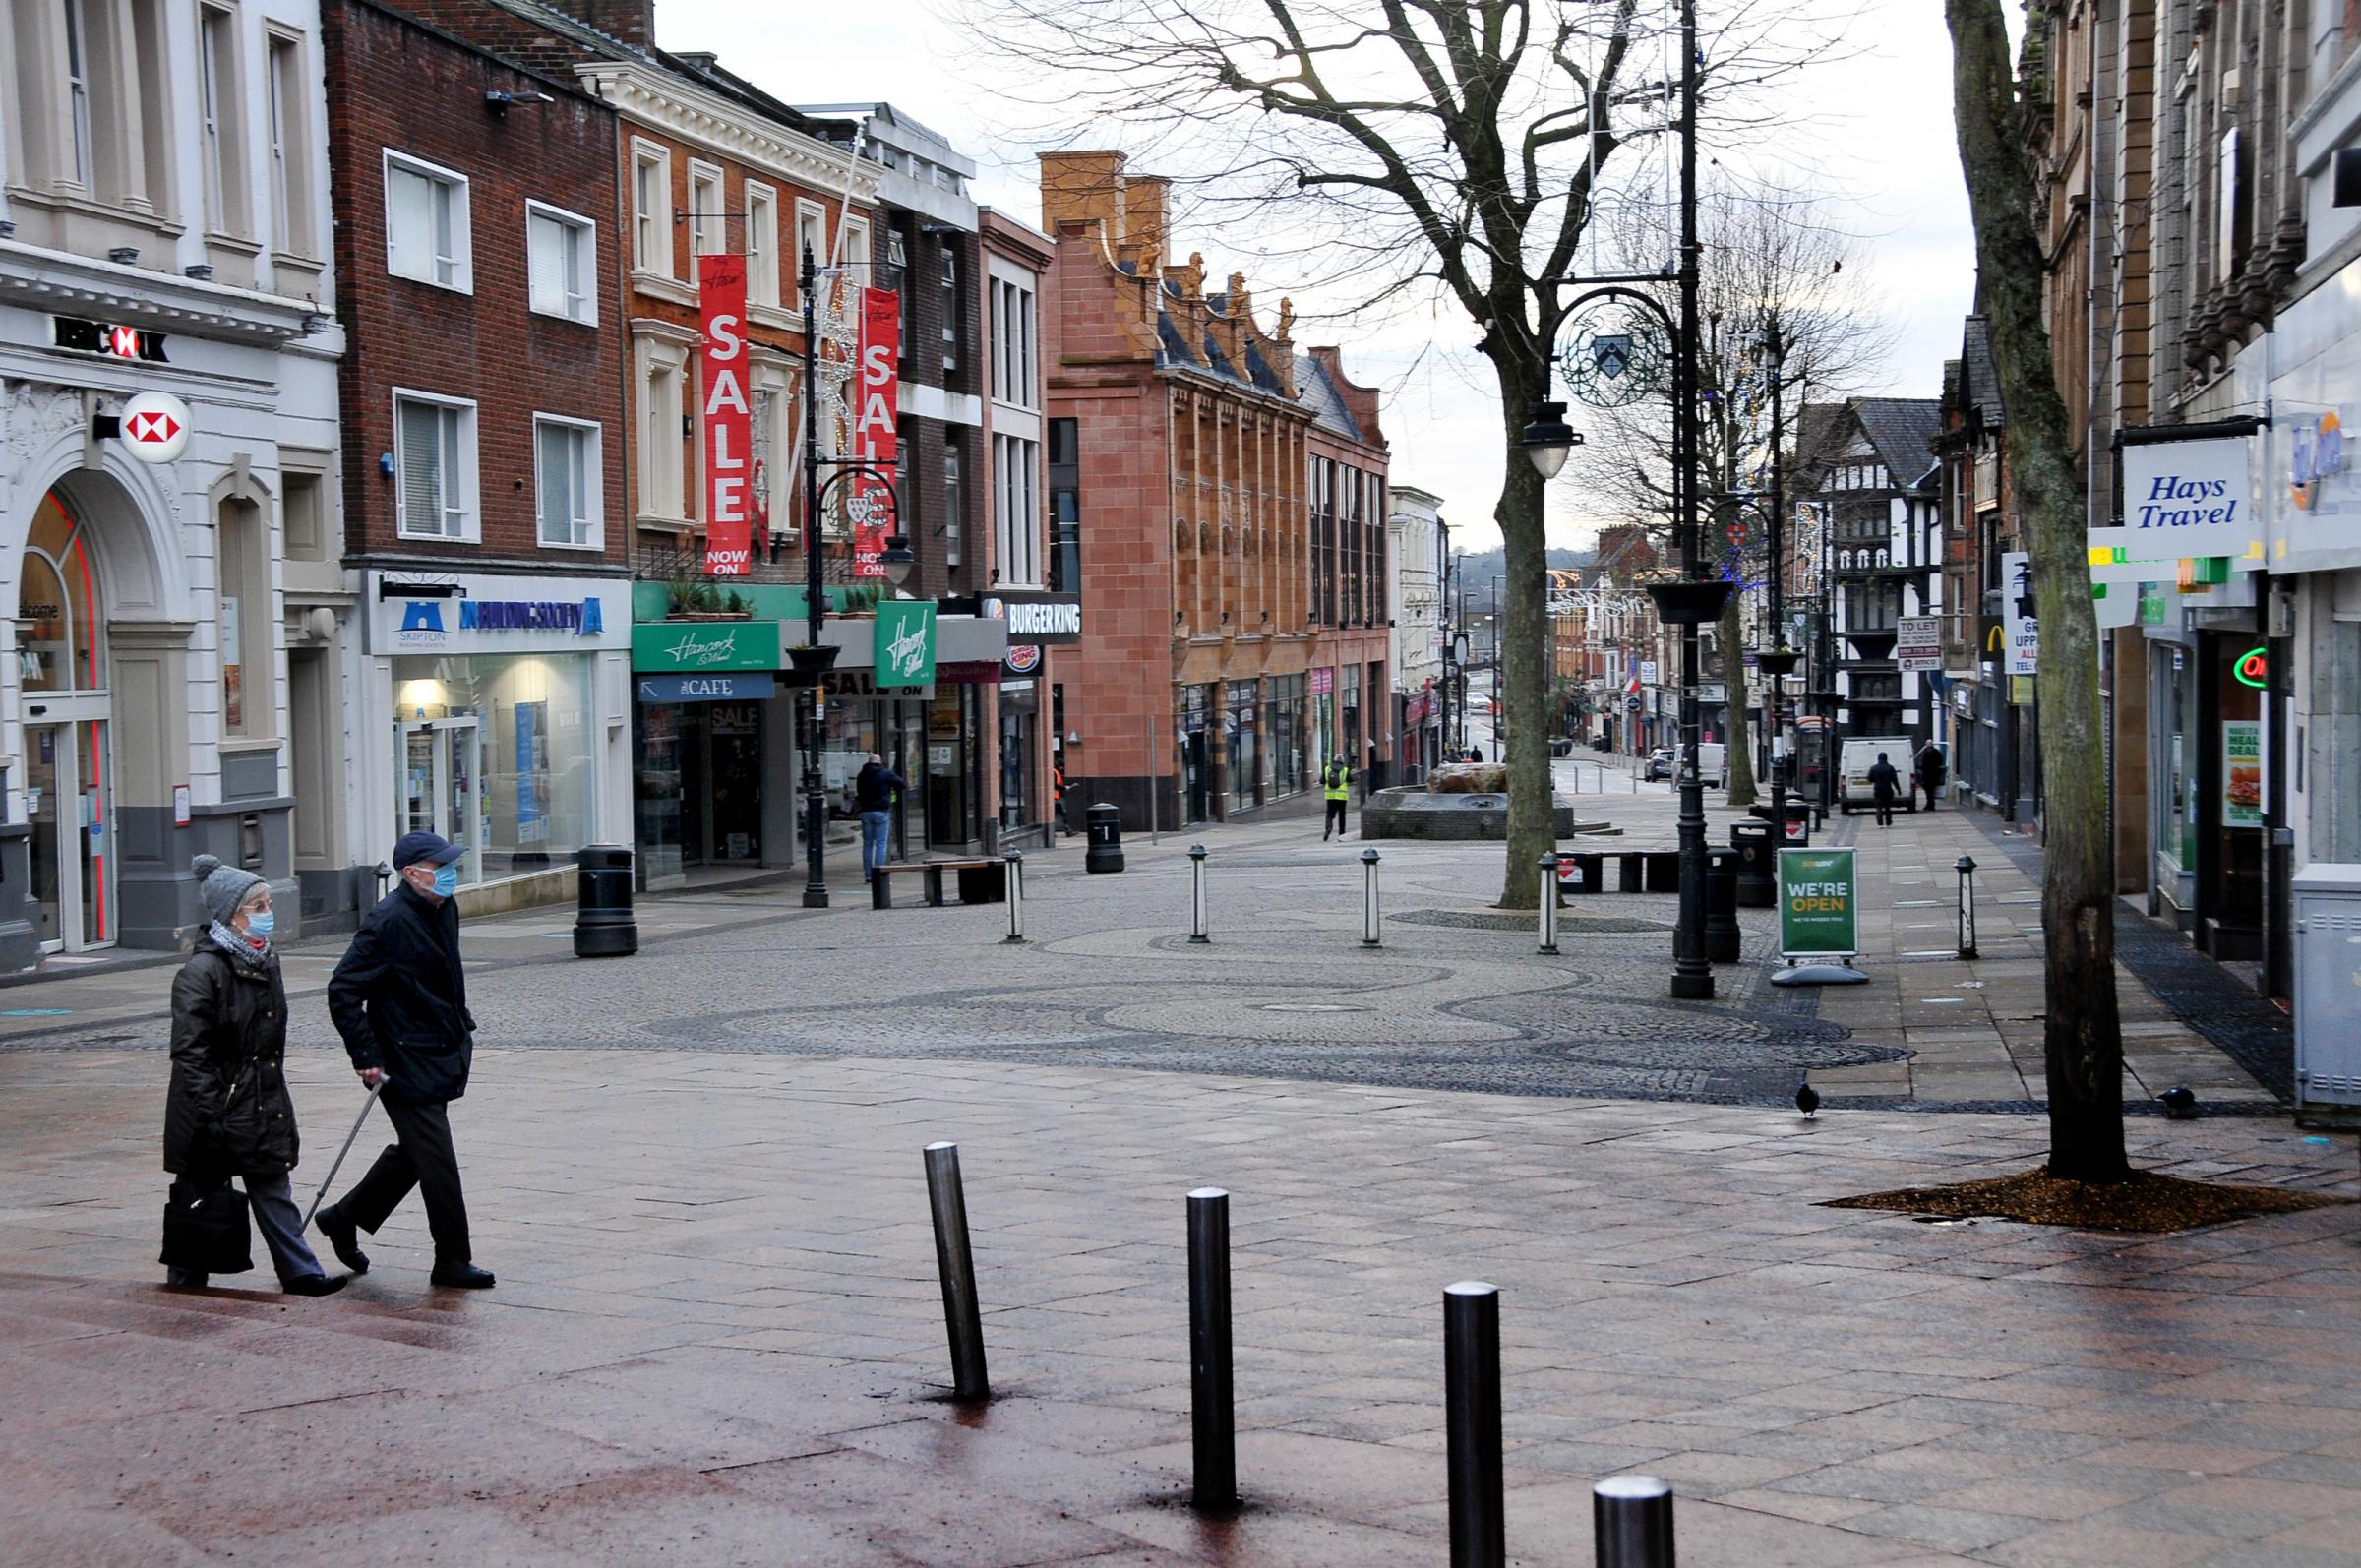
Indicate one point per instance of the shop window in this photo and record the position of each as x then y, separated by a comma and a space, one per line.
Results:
561, 262
426, 223
245, 620
59, 647
499, 755
434, 467
566, 470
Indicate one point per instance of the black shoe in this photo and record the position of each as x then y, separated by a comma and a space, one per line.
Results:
344, 1235
462, 1277
315, 1284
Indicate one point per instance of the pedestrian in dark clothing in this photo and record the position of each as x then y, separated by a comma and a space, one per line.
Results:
1884, 782
874, 790
1336, 783
227, 1112
1930, 768
400, 999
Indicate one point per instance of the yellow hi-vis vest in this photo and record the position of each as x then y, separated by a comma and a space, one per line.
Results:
1339, 785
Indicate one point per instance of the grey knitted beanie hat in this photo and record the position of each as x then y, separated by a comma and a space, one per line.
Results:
222, 887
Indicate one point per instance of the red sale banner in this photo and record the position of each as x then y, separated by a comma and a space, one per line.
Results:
871, 509
729, 418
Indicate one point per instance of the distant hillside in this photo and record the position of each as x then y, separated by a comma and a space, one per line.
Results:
1478, 568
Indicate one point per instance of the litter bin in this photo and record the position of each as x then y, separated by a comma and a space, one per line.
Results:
1800, 823
603, 924
1106, 827
1722, 906
1758, 863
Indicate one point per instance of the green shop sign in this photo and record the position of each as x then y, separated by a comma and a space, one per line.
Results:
905, 642
1819, 904
688, 648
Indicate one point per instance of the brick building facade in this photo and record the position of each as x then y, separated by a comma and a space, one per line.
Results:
484, 423
1228, 496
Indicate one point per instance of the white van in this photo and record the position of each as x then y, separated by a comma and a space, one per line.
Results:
1713, 764
1858, 756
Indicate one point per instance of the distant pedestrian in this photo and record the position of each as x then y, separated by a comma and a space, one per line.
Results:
1336, 782
400, 999
874, 790
1929, 768
1884, 782
1474, 754
227, 1112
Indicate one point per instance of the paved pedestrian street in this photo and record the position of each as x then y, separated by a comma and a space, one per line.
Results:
718, 1337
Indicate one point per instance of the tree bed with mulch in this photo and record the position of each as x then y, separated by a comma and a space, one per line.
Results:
2147, 1202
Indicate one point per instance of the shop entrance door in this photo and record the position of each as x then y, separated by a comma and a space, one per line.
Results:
442, 786
70, 807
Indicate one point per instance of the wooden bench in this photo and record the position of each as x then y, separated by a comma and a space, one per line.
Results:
980, 882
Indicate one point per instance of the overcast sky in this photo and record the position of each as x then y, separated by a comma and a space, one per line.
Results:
1881, 139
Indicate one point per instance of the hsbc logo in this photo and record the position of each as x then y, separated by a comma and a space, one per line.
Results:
154, 426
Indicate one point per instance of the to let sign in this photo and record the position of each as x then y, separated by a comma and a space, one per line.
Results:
1918, 642
1819, 904
729, 418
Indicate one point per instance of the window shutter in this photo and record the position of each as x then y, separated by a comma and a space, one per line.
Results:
420, 440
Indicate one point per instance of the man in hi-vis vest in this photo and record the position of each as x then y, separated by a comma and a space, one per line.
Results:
1336, 782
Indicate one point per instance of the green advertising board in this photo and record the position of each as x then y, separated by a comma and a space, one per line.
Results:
1819, 904
689, 647
905, 642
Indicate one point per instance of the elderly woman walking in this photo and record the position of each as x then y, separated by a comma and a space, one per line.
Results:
227, 1112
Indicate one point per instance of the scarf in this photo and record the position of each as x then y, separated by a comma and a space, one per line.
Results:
244, 949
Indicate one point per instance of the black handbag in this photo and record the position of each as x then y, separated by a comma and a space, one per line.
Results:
206, 1230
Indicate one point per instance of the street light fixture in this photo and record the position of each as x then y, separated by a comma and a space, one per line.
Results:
1549, 440
897, 561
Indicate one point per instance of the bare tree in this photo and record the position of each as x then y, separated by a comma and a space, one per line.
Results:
2082, 1032
1423, 149
1775, 261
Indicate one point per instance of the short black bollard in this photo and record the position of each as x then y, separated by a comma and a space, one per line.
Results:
603, 926
1104, 824
1965, 867
1368, 898
1197, 930
962, 1313
1471, 1412
1548, 904
1631, 1520
1212, 1415
1015, 864
1722, 939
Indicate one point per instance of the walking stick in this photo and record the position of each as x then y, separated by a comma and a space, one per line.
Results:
374, 1090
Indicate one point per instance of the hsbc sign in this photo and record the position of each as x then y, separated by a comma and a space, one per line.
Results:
154, 426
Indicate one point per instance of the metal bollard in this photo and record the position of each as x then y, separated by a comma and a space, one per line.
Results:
1965, 867
1198, 932
1368, 898
962, 1314
1549, 904
1472, 1408
1631, 1519
1212, 1415
1016, 897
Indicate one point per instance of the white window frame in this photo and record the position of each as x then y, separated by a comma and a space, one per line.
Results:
462, 279
708, 212
592, 488
816, 216
218, 108
82, 151
761, 244
651, 230
470, 510
857, 251
286, 105
583, 289
1016, 510
662, 450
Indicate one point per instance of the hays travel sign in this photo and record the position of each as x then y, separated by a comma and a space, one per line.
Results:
2181, 499
498, 615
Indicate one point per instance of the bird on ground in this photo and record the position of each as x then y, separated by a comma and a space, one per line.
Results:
2180, 1103
1808, 1098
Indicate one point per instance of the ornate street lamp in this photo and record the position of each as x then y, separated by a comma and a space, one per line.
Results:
1549, 440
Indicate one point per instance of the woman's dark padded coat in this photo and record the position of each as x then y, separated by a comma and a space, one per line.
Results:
227, 1110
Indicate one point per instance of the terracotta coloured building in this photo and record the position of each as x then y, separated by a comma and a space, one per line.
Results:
1229, 500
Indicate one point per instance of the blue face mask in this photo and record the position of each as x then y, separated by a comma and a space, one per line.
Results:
260, 924
447, 881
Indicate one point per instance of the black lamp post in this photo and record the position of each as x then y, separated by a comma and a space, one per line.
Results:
1778, 662
1691, 600
814, 661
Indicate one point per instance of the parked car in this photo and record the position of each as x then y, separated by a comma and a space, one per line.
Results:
1661, 763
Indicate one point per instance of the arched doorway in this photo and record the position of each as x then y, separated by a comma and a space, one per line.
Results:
62, 676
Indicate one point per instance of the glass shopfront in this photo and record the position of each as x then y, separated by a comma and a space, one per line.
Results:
1288, 739
1196, 753
699, 784
1243, 784
496, 754
1020, 741
1348, 741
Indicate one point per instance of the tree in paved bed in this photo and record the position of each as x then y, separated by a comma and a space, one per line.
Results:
2082, 1035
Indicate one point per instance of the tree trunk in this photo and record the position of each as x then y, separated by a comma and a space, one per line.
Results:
1738, 744
1524, 640
2082, 1032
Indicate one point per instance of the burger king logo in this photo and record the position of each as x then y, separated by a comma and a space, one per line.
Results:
1023, 658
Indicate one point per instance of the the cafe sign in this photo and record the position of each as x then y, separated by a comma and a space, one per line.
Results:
692, 646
